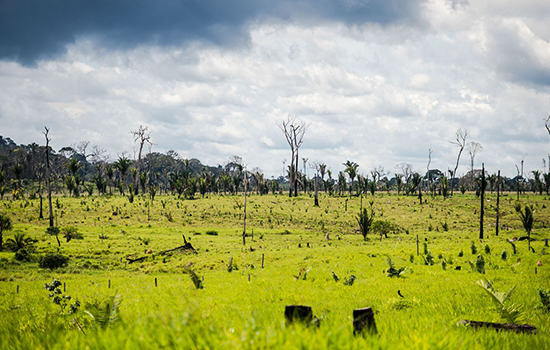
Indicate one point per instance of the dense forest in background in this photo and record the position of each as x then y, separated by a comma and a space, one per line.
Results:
84, 170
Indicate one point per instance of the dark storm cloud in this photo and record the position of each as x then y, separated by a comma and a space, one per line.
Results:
34, 29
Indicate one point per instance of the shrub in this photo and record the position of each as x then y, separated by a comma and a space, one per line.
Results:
473, 248
504, 255
53, 261
480, 264
23, 255
545, 299
212, 233
487, 249
71, 233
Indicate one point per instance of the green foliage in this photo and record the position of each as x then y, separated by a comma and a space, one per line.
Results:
544, 295
487, 249
445, 226
231, 265
504, 255
428, 258
19, 241
5, 225
211, 233
348, 281
385, 227
61, 299
526, 216
106, 314
392, 271
71, 232
197, 282
473, 248
53, 261
365, 219
510, 313
460, 253
23, 254
480, 264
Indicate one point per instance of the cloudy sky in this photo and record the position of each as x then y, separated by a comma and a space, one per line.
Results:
379, 82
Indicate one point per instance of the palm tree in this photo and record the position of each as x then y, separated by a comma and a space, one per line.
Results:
526, 217
351, 170
365, 218
5, 225
18, 241
322, 171
122, 165
538, 183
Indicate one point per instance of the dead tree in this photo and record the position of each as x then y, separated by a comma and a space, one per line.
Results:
244, 219
482, 209
142, 136
428, 169
294, 133
48, 184
473, 149
547, 125
460, 141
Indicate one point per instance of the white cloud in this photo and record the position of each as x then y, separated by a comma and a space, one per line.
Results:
372, 94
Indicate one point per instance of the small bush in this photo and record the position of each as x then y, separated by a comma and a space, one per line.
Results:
23, 255
480, 264
212, 233
545, 299
53, 261
487, 249
460, 253
504, 255
473, 248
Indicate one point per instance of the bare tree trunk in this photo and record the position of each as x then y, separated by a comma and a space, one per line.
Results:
316, 189
48, 184
498, 202
244, 220
482, 201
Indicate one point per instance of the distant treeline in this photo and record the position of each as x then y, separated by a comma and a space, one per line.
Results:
78, 171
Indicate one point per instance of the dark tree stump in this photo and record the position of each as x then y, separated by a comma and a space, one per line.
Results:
298, 313
518, 328
363, 321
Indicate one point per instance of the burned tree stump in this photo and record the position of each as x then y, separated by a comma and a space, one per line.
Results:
518, 328
299, 314
363, 321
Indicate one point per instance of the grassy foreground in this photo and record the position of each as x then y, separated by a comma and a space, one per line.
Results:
244, 308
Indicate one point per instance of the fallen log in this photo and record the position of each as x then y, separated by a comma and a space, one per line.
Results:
518, 328
187, 246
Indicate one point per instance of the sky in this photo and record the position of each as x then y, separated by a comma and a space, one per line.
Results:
378, 82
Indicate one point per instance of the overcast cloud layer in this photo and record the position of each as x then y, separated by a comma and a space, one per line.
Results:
379, 82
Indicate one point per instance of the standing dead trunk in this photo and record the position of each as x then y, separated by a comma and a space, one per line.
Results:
482, 190
48, 183
244, 220
498, 202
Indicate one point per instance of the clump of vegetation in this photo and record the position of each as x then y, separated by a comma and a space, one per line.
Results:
445, 226
544, 295
460, 253
197, 282
53, 261
392, 271
527, 219
385, 227
504, 255
60, 299
365, 219
335, 276
480, 264
71, 233
302, 274
348, 281
211, 233
473, 248
487, 249
510, 313
5, 225
144, 240
107, 314
231, 265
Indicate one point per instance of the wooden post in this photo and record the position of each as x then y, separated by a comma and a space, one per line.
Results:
155, 281
546, 242
298, 313
109, 284
262, 261
417, 249
363, 320
17, 289
498, 202
346, 204
482, 200
535, 270
64, 287
249, 276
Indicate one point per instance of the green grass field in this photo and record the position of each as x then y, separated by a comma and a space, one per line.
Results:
244, 308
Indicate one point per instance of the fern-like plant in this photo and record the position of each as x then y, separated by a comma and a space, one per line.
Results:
194, 278
392, 271
364, 219
107, 314
510, 313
